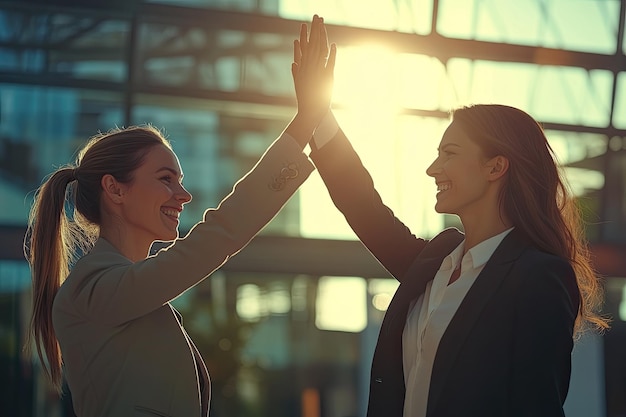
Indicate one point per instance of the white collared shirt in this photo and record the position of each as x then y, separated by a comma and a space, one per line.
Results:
430, 315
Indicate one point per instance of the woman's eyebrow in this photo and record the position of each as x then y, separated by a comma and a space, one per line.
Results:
442, 147
172, 170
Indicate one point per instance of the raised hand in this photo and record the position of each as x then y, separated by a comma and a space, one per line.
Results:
313, 70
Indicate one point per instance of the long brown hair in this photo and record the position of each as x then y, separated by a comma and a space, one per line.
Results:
56, 235
535, 196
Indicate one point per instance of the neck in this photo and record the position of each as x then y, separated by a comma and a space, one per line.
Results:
484, 219
126, 245
480, 228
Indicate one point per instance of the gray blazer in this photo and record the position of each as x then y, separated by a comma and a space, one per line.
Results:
125, 353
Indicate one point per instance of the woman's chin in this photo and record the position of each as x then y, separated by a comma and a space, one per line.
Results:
442, 209
169, 237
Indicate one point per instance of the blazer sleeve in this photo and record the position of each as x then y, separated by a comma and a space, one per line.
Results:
352, 190
115, 290
545, 314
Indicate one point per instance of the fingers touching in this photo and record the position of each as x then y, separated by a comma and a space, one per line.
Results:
312, 70
312, 46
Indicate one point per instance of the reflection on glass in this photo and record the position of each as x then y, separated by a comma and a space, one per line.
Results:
64, 44
215, 59
548, 93
584, 25
41, 128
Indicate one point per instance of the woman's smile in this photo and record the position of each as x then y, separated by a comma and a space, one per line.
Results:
443, 186
171, 213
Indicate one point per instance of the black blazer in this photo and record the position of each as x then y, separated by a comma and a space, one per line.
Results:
507, 350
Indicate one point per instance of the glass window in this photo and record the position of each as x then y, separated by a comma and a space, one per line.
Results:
413, 16
619, 112
41, 129
582, 25
548, 93
64, 45
212, 59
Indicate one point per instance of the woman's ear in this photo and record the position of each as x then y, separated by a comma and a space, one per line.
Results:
111, 188
498, 166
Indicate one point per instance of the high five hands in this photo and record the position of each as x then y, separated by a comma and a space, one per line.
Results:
313, 70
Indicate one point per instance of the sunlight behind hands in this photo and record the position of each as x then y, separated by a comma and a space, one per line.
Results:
311, 53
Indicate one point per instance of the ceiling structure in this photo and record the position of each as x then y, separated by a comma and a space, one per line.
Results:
191, 51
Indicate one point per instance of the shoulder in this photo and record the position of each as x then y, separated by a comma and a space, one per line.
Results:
448, 233
103, 254
445, 241
535, 262
102, 257
544, 276
528, 260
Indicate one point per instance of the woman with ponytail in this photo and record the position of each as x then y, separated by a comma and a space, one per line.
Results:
104, 322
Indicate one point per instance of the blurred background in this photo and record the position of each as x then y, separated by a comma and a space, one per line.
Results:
288, 326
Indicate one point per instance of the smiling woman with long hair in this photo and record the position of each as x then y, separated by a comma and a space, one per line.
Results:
483, 322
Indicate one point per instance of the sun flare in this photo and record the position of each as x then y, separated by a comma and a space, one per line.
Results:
373, 87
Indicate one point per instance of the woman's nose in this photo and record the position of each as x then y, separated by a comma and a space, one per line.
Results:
183, 195
433, 169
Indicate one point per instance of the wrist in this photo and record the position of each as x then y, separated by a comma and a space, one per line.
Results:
301, 127
325, 130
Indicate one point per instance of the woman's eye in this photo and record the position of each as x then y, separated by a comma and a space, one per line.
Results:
167, 179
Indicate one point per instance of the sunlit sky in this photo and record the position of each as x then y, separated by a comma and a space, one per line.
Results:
372, 121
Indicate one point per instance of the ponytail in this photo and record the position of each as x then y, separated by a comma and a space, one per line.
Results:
49, 246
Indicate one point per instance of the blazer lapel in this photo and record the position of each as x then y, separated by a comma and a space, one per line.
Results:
485, 286
420, 273
204, 382
409, 290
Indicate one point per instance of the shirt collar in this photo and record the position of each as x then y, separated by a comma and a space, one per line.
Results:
454, 258
476, 256
481, 253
